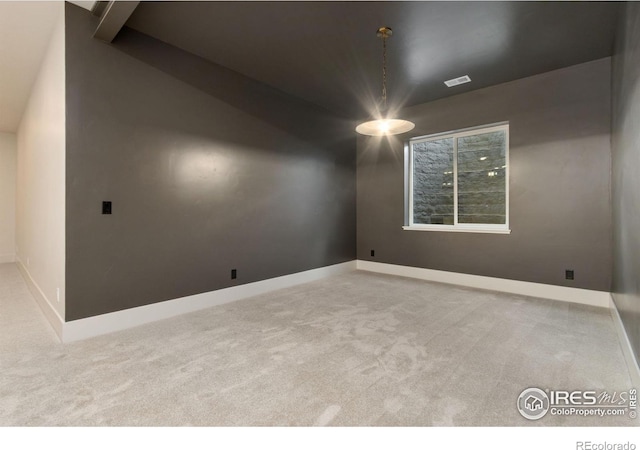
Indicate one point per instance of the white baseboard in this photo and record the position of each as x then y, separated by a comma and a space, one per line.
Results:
627, 350
52, 316
120, 320
7, 258
562, 293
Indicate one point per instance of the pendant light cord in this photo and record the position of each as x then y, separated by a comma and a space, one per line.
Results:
384, 72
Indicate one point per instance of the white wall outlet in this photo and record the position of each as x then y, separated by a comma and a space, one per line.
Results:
58, 294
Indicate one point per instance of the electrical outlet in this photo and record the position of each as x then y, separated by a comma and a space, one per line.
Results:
106, 207
568, 274
58, 294
234, 274
373, 253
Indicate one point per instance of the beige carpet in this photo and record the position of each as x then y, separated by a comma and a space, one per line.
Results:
357, 349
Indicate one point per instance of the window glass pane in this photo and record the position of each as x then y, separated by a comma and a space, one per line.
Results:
481, 178
433, 182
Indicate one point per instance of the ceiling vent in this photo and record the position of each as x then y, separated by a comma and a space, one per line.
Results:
456, 81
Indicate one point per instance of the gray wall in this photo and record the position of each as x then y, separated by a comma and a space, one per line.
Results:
207, 171
626, 172
560, 212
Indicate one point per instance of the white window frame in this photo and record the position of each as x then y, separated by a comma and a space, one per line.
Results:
456, 227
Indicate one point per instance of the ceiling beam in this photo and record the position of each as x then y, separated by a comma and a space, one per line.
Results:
114, 17
98, 8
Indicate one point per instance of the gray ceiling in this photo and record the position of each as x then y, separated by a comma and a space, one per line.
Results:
327, 52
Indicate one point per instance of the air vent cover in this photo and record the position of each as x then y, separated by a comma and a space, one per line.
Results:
456, 81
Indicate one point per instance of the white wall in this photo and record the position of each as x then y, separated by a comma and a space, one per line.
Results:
40, 224
7, 197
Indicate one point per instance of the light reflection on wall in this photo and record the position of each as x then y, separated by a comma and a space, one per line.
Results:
203, 169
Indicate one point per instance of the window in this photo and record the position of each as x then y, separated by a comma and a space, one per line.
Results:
459, 181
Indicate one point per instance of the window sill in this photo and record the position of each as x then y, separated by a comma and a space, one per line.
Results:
451, 229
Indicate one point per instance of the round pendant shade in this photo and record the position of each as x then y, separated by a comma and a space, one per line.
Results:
385, 127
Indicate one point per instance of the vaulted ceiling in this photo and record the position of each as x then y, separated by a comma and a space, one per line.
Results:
327, 52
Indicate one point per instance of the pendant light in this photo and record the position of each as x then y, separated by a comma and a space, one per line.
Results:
384, 126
